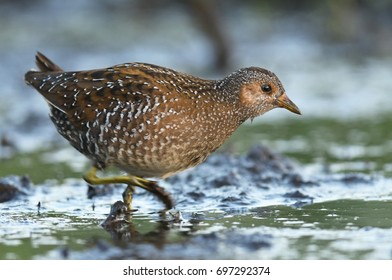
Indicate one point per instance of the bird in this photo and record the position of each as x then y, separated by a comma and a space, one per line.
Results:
151, 122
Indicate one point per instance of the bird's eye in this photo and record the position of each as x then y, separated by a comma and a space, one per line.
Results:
266, 88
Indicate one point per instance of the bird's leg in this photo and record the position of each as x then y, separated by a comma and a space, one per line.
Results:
151, 186
154, 188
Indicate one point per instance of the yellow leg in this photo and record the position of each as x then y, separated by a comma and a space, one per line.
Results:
151, 186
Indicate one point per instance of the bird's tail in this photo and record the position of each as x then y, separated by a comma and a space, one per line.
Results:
45, 64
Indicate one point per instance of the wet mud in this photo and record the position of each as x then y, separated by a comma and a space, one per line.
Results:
231, 206
12, 187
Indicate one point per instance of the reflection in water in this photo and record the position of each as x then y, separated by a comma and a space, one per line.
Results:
127, 227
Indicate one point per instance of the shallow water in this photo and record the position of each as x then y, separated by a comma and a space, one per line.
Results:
69, 228
328, 197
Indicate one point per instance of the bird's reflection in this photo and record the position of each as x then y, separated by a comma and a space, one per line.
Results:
126, 227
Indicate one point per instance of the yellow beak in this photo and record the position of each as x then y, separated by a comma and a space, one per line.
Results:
284, 102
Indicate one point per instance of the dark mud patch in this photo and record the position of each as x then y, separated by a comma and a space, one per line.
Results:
226, 180
12, 187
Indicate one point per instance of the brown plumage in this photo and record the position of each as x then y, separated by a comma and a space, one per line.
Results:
152, 121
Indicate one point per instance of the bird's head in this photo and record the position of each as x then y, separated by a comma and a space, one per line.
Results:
258, 91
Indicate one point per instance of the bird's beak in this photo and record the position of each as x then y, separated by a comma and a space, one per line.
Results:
284, 102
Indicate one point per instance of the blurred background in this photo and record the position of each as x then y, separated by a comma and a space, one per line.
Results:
333, 57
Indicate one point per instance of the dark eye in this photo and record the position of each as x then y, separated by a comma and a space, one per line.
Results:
266, 88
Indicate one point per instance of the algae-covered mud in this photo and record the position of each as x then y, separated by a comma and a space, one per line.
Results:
316, 186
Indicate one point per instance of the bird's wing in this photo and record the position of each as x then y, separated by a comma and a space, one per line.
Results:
80, 94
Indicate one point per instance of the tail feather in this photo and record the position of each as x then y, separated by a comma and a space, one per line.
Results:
45, 64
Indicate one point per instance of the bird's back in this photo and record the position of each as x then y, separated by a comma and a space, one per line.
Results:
148, 120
